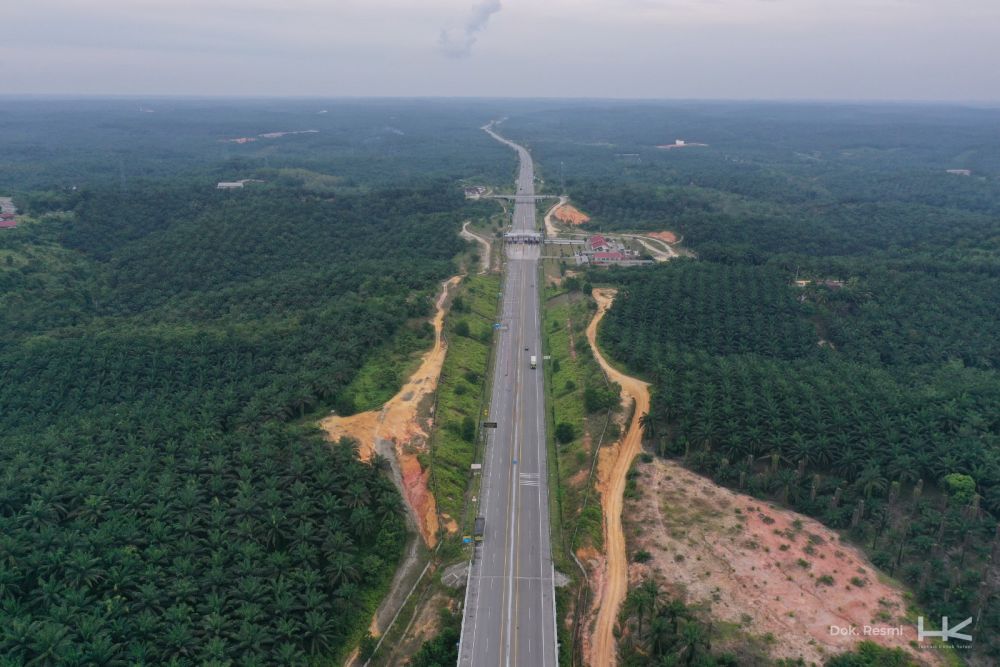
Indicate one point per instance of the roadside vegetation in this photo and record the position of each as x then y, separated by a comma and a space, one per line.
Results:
580, 405
579, 399
458, 411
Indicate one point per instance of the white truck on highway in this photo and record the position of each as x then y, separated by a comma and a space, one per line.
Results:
534, 361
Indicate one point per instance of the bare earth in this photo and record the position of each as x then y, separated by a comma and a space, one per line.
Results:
397, 428
612, 468
759, 566
669, 237
570, 215
550, 228
659, 249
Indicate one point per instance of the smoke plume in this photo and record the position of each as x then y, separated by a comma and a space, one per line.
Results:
457, 43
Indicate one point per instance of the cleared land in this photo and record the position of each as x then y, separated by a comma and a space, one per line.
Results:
771, 571
669, 237
570, 215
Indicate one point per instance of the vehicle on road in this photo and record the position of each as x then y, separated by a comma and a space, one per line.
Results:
534, 361
479, 529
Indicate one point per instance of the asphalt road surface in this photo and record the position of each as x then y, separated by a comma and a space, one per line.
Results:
509, 616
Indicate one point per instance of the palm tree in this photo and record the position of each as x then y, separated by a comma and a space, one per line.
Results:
50, 645
694, 641
648, 425
318, 633
871, 480
342, 567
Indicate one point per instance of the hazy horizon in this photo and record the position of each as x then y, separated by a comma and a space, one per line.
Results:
725, 50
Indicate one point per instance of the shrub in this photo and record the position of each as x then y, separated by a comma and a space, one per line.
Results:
565, 433
468, 429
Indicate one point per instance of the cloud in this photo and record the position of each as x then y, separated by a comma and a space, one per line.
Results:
457, 43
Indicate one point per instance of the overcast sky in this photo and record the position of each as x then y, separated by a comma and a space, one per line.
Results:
735, 49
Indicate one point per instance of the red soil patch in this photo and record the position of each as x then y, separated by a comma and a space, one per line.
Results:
766, 568
669, 237
570, 215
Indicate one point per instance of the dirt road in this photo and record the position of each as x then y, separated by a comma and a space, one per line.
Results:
660, 250
487, 257
612, 468
550, 228
396, 431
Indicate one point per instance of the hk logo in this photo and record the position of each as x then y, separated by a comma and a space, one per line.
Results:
945, 633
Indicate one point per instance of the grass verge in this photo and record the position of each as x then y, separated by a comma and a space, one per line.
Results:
469, 331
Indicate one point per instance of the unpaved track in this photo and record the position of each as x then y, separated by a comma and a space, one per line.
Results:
612, 469
487, 258
660, 249
550, 228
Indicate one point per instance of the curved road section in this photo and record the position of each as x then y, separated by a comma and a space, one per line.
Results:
509, 616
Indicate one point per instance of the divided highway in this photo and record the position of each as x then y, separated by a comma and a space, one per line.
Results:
509, 615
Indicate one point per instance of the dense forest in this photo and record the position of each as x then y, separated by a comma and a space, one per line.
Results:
832, 343
164, 347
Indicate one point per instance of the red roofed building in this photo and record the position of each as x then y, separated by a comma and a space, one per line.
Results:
8, 224
598, 243
609, 257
